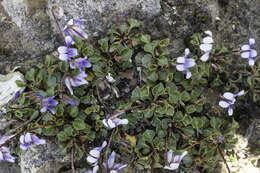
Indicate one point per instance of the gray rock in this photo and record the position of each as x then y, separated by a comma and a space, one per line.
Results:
9, 168
28, 29
43, 159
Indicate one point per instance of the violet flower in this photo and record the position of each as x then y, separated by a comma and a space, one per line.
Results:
113, 121
74, 28
174, 162
80, 63
248, 52
95, 169
47, 103
66, 53
76, 81
29, 138
94, 154
68, 100
206, 46
2, 112
111, 167
183, 63
229, 100
3, 139
17, 94
5, 155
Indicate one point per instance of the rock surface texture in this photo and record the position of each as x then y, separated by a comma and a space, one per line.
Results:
28, 32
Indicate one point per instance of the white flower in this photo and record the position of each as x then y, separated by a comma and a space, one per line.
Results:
95, 154
110, 78
229, 100
206, 46
248, 52
174, 162
113, 121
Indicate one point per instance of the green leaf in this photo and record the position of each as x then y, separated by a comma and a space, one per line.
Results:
127, 54
133, 23
73, 111
190, 109
64, 66
79, 124
104, 44
215, 123
59, 110
188, 131
47, 116
153, 76
164, 43
30, 74
20, 83
150, 47
68, 129
148, 136
185, 96
145, 38
163, 61
62, 136
174, 97
148, 113
51, 81
147, 61
34, 115
158, 90
136, 94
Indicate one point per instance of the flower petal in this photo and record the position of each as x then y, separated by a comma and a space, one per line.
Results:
68, 84
123, 121
68, 41
230, 111
188, 74
190, 63
245, 54
251, 62
223, 104
181, 60
119, 166
245, 47
91, 159
228, 95
253, 53
72, 52
169, 156
38, 141
207, 40
95, 153
208, 33
240, 93
180, 67
62, 50
24, 146
28, 138
52, 110
64, 57
251, 42
187, 52
205, 57
111, 160
206, 47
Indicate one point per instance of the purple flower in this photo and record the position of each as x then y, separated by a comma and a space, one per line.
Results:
29, 138
229, 100
74, 28
5, 155
66, 53
220, 139
80, 63
47, 103
95, 169
111, 167
2, 112
94, 154
76, 81
17, 94
183, 63
174, 162
248, 52
206, 46
3, 139
113, 121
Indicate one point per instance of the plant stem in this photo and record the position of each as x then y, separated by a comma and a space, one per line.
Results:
109, 143
223, 159
57, 23
72, 158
